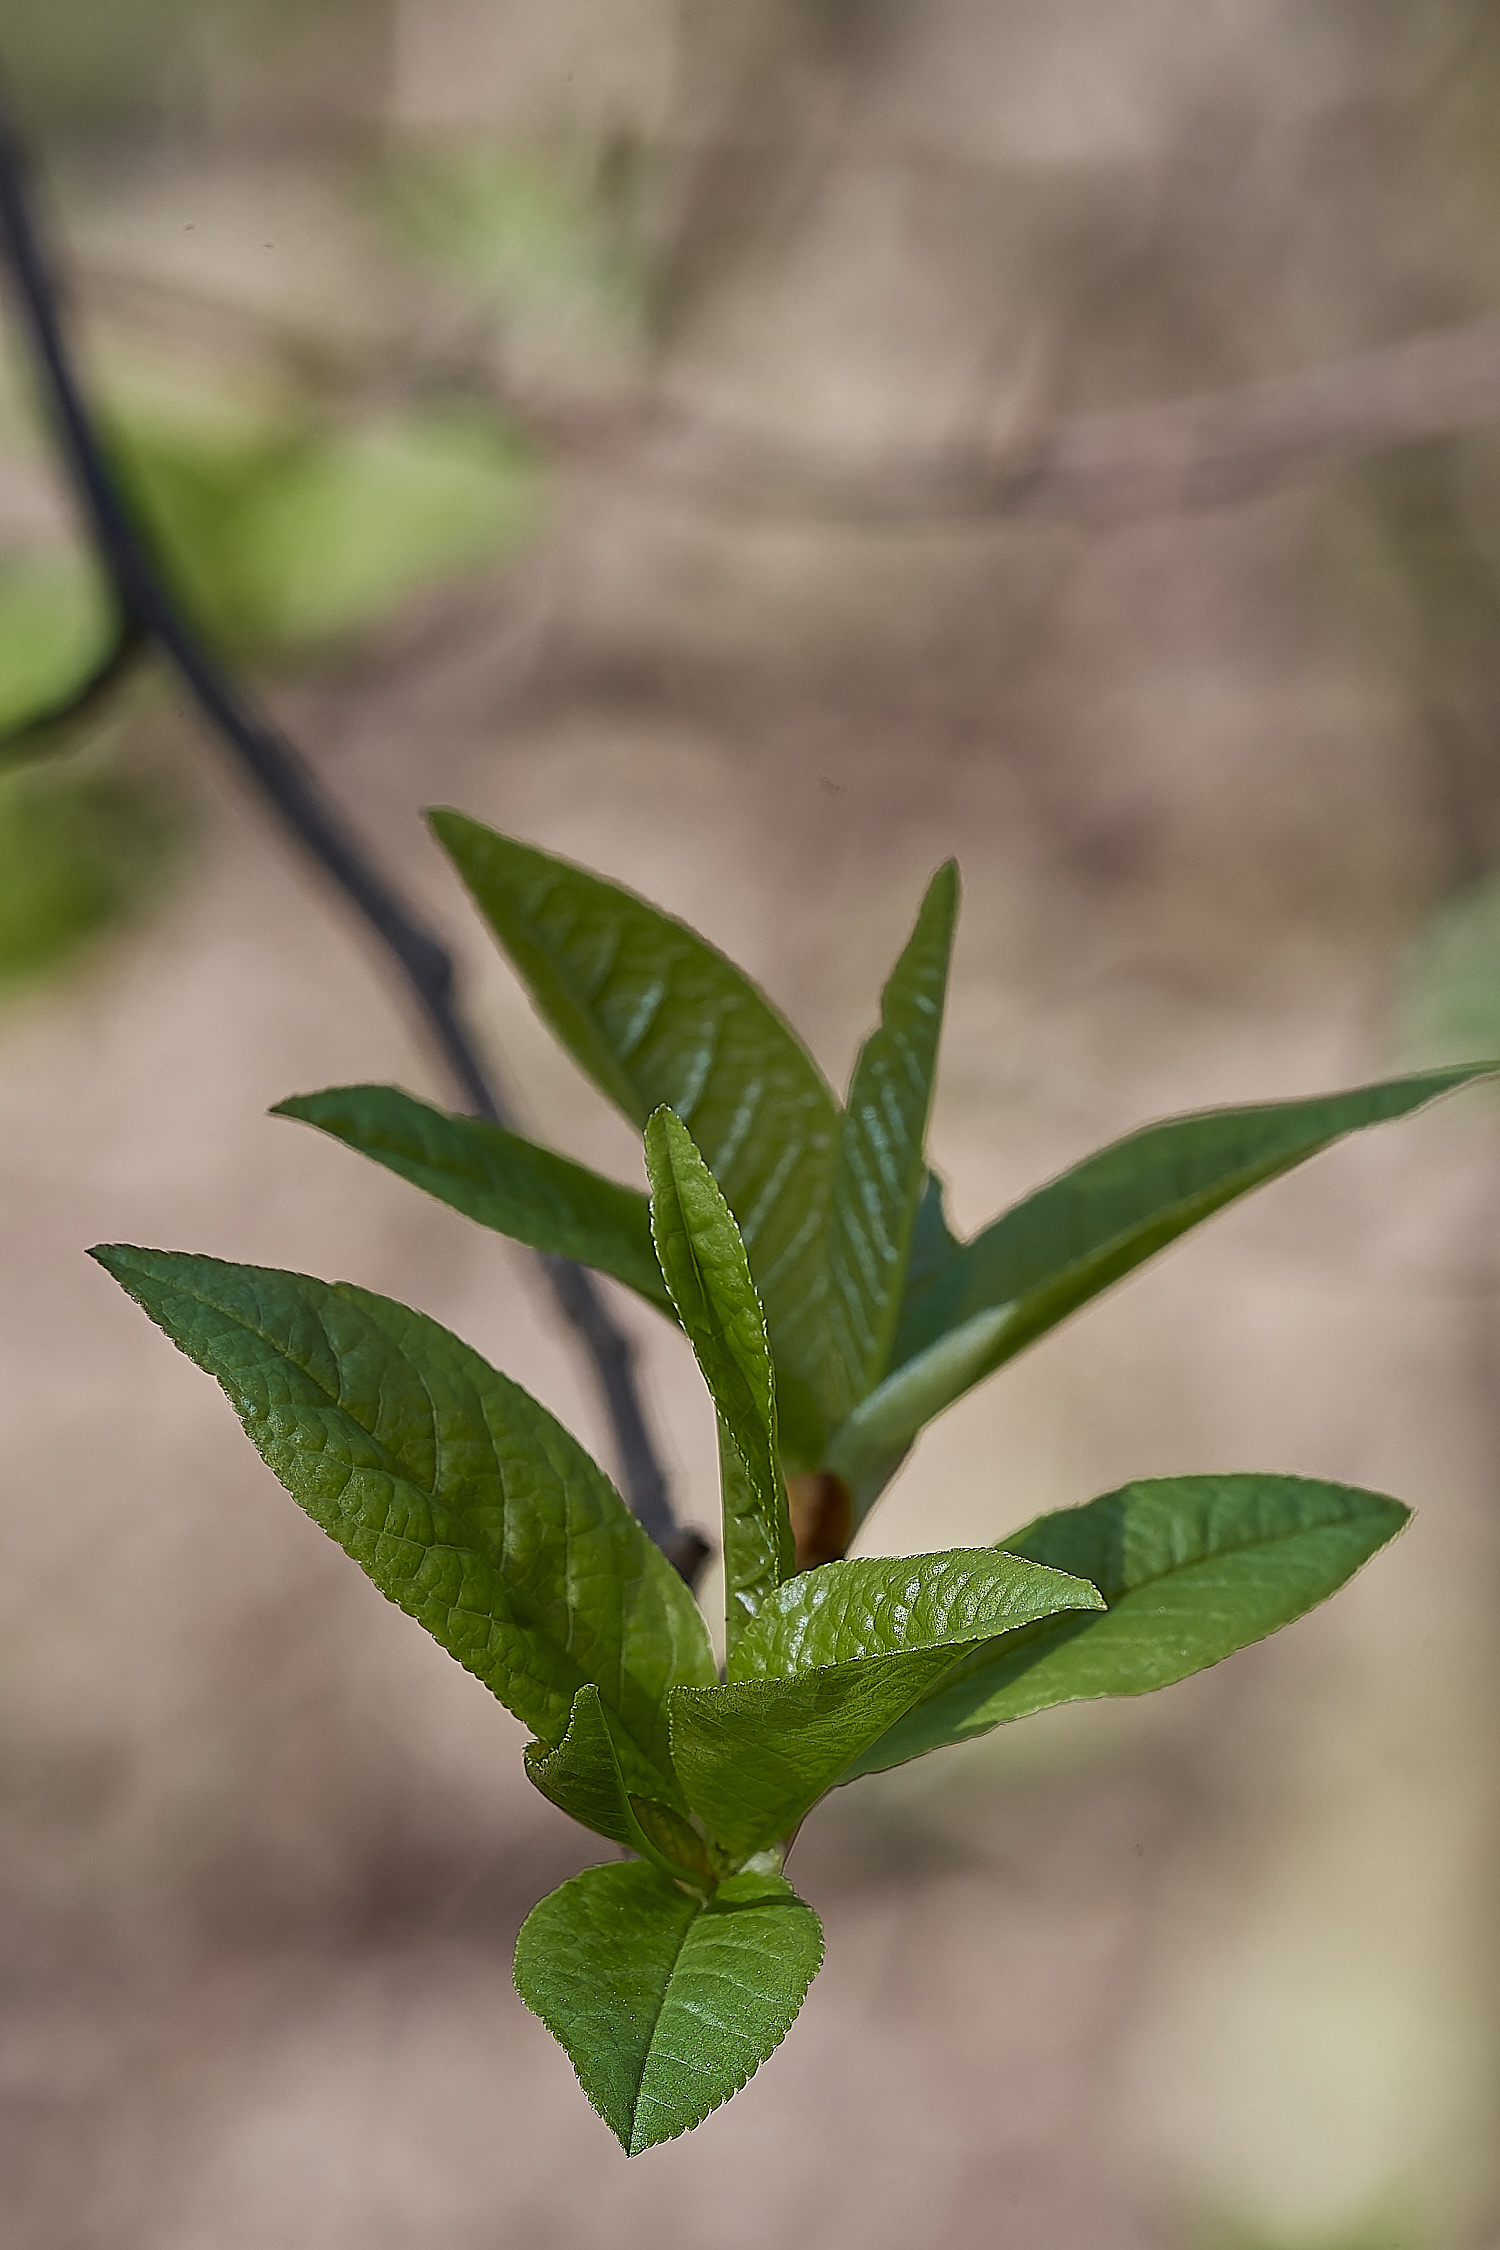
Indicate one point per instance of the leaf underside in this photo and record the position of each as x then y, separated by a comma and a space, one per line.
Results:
666, 2004
1192, 1568
754, 1756
461, 1497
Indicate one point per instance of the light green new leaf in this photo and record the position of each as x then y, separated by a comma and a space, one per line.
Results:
1071, 1239
708, 1277
461, 1497
880, 1175
842, 1653
583, 1777
658, 1018
666, 2004
1192, 1568
529, 1193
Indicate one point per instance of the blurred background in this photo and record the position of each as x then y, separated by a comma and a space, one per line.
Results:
590, 415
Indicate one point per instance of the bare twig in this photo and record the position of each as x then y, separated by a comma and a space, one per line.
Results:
1208, 449
151, 613
1186, 453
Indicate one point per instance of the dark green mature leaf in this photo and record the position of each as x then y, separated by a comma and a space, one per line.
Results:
666, 2004
584, 1778
529, 1193
658, 1018
1085, 1230
1192, 1569
879, 1176
708, 1276
755, 1756
463, 1499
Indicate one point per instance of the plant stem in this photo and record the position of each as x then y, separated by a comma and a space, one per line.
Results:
150, 614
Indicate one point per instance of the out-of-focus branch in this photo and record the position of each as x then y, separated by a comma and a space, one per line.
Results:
150, 614
1196, 452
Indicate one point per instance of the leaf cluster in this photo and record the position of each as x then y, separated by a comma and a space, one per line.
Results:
800, 1244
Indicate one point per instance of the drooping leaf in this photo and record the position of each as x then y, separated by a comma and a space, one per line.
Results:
708, 1276
461, 1497
666, 2004
880, 1174
658, 1018
756, 1755
1060, 1247
583, 1777
520, 1189
1192, 1568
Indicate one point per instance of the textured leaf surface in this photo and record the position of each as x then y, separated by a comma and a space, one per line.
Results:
1097, 1222
461, 1497
666, 2005
529, 1193
708, 1277
878, 1604
583, 1777
1192, 1569
756, 1755
658, 1018
880, 1173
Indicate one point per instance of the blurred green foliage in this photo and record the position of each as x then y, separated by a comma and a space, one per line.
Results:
279, 537
80, 850
523, 235
55, 630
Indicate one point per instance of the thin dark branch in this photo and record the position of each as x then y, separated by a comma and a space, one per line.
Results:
289, 787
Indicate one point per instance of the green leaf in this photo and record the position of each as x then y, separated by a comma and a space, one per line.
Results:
755, 1756
1192, 1569
666, 2004
658, 1018
461, 1497
933, 1250
56, 629
529, 1193
583, 1777
880, 1175
708, 1277
1071, 1239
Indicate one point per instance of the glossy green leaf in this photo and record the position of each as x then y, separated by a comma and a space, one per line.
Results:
1071, 1239
658, 1018
584, 1778
880, 1172
529, 1193
1192, 1569
933, 1251
460, 1496
666, 2004
708, 1276
756, 1755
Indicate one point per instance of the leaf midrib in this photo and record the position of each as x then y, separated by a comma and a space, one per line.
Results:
521, 1609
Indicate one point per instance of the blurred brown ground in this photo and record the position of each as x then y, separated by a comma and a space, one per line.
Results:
1217, 1969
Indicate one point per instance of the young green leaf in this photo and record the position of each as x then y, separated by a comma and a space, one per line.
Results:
1059, 1248
879, 1176
858, 1643
529, 1193
582, 1776
657, 1017
708, 1277
666, 2004
459, 1495
1192, 1569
